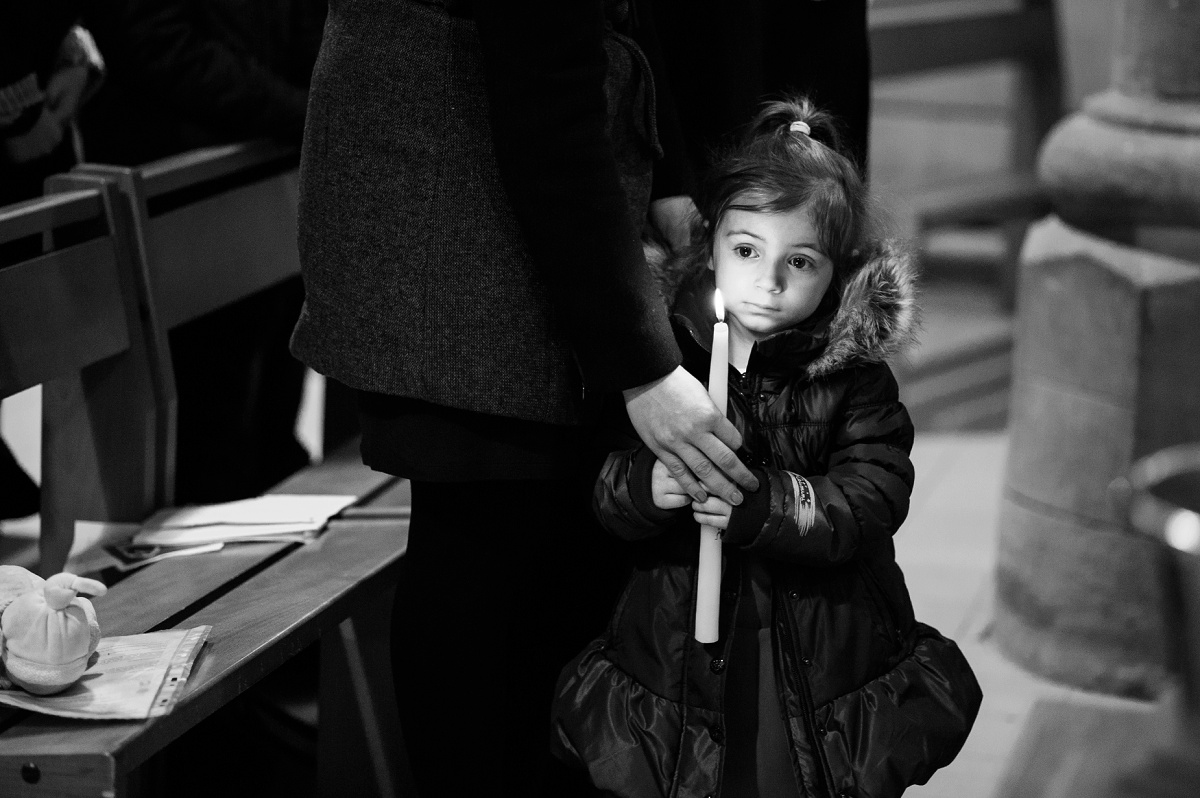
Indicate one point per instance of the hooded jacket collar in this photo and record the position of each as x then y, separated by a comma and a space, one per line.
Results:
875, 319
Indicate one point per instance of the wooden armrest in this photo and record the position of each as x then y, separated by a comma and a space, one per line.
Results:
43, 214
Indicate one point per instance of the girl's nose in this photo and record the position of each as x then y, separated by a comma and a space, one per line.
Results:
771, 276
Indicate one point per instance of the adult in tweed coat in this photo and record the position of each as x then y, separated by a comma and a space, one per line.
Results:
473, 183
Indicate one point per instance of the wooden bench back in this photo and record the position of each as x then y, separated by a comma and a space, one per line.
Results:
78, 320
214, 225
208, 227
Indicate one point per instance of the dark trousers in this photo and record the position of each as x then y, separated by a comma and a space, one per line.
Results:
502, 584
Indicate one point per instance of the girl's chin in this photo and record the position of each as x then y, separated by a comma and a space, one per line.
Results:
758, 332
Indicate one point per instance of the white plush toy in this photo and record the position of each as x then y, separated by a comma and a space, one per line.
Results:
47, 630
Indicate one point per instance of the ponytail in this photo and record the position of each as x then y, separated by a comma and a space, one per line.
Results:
793, 118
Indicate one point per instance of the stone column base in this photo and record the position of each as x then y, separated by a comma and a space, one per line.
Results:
1106, 369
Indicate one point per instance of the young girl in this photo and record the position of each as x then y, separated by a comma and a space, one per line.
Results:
822, 683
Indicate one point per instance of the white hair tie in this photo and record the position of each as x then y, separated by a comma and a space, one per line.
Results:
800, 127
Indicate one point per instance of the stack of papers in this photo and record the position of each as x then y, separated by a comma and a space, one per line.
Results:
273, 517
200, 529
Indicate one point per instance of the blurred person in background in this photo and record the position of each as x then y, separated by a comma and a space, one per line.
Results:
190, 73
185, 74
49, 66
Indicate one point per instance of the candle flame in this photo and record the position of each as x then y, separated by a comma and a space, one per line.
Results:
719, 305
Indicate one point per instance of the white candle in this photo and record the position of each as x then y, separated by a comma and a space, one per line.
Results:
708, 572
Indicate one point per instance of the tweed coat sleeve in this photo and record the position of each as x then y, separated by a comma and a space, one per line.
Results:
857, 502
544, 66
674, 174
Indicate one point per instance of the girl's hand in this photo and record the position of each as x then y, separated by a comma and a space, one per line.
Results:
673, 218
713, 512
666, 491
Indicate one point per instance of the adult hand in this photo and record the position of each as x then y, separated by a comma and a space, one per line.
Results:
37, 142
675, 417
64, 90
673, 217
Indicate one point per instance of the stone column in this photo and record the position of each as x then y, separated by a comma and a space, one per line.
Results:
1106, 361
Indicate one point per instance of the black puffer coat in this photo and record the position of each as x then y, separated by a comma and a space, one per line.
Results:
873, 700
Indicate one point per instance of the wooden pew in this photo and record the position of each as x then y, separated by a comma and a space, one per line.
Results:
78, 319
214, 225
211, 226
266, 602
207, 229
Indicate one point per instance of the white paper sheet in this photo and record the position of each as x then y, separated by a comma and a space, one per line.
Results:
276, 508
227, 533
276, 517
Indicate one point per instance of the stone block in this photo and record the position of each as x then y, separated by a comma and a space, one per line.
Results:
1080, 603
1066, 447
1078, 315
1106, 365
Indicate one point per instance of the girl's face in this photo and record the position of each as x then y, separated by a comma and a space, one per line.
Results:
770, 269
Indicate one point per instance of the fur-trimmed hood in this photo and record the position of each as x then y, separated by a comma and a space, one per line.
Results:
875, 319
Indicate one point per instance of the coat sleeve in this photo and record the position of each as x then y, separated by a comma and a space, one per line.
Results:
544, 66
860, 500
622, 501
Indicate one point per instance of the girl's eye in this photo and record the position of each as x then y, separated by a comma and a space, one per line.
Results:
800, 262
743, 251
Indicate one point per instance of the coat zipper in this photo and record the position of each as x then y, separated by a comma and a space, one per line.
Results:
806, 700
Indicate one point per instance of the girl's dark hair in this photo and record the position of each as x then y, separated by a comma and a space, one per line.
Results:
776, 168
